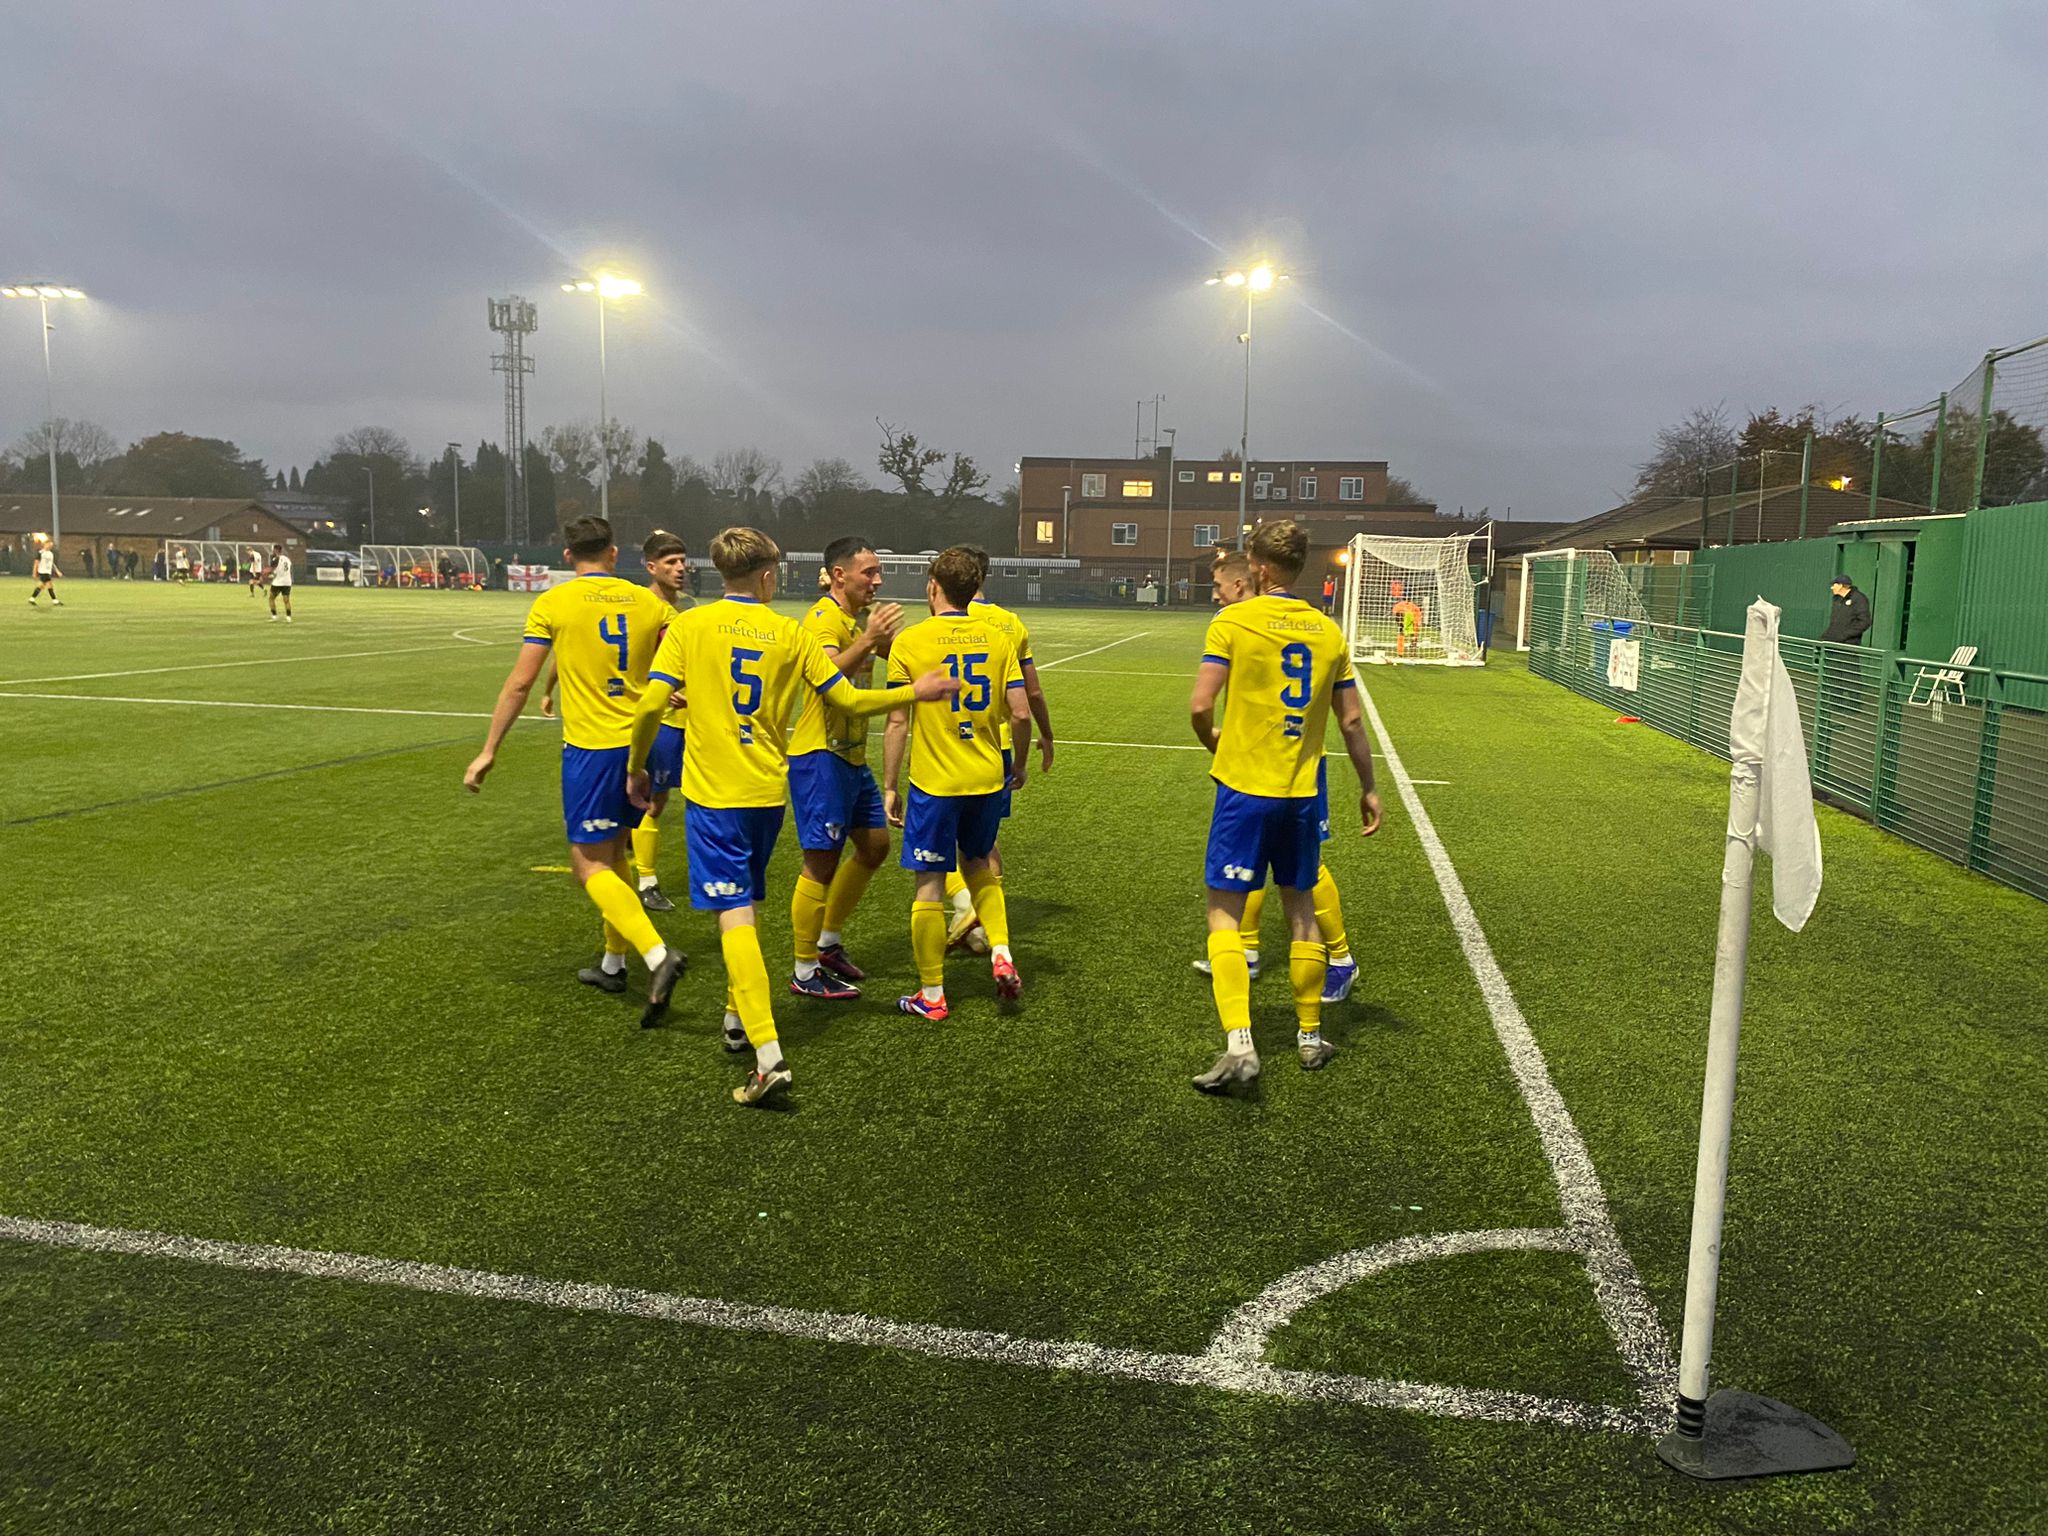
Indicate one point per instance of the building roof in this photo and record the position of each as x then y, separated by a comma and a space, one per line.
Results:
130, 516
1673, 522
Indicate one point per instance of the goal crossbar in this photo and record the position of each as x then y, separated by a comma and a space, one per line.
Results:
1410, 600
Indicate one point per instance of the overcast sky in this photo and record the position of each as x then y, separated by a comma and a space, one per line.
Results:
1525, 236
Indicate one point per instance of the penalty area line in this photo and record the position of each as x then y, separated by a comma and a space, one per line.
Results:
1061, 661
1617, 1288
317, 709
1220, 1372
215, 666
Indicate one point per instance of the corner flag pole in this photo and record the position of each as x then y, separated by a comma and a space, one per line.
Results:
1770, 801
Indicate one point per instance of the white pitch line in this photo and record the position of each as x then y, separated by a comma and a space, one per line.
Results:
1061, 661
317, 709
1617, 1288
1141, 746
1208, 1370
214, 666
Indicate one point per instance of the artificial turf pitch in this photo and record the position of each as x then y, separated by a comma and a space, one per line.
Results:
272, 978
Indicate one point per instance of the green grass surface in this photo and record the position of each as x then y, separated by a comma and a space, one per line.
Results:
274, 978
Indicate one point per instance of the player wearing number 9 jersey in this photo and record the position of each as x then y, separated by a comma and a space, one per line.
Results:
957, 773
1287, 667
601, 632
739, 665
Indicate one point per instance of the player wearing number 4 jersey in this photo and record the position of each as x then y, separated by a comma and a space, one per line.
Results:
1287, 667
958, 782
601, 632
740, 663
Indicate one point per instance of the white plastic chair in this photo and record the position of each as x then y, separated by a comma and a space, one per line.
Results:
1944, 684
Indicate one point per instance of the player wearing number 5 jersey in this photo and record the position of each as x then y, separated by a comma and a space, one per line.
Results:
739, 663
1287, 667
601, 632
958, 780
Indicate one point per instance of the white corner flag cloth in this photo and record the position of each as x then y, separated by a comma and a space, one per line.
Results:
1764, 730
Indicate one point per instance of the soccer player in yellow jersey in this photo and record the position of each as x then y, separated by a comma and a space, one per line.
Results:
1287, 667
601, 632
668, 563
966, 927
1231, 582
958, 779
740, 664
831, 786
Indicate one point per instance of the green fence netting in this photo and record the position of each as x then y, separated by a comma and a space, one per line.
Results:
1947, 757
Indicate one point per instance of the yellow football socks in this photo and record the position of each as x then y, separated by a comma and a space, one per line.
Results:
806, 917
747, 975
623, 913
1254, 909
928, 945
1330, 915
1306, 967
991, 907
849, 884
646, 843
1231, 978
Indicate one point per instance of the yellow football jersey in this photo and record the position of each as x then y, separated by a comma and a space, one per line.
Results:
819, 726
956, 745
741, 663
679, 714
603, 630
1286, 662
1020, 640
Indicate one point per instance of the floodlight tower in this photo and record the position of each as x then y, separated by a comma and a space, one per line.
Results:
515, 319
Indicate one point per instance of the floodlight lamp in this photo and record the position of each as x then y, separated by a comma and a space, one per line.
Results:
1261, 278
9, 293
49, 292
611, 287
1234, 279
73, 293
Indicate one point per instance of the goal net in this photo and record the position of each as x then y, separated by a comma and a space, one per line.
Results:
423, 565
213, 559
1410, 599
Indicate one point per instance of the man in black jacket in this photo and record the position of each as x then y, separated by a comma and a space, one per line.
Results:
1848, 614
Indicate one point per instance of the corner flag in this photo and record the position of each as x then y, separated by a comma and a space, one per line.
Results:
1770, 806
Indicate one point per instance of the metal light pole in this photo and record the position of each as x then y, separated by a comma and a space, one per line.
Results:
1253, 281
605, 285
371, 476
1171, 433
455, 459
1066, 513
42, 293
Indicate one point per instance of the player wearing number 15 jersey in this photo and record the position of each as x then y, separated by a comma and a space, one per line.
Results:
739, 663
1287, 667
958, 782
601, 632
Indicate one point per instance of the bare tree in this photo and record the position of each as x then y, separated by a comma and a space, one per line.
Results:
86, 444
1401, 492
744, 471
374, 443
907, 461
1686, 450
622, 445
572, 451
826, 477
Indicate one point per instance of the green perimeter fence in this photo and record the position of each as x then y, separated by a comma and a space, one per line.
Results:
1952, 758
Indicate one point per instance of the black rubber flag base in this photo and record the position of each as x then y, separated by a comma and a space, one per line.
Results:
1739, 1434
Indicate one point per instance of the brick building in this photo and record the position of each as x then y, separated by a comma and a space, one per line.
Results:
1112, 513
139, 525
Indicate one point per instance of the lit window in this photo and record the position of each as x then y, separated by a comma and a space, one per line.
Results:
1096, 486
1215, 477
1123, 533
1045, 530
1187, 477
1137, 490
1306, 489
1236, 475
1208, 535
1351, 488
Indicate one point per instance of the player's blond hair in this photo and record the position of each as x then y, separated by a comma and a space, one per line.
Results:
1233, 563
1280, 546
743, 552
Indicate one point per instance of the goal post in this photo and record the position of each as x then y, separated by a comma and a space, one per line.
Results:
1410, 600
